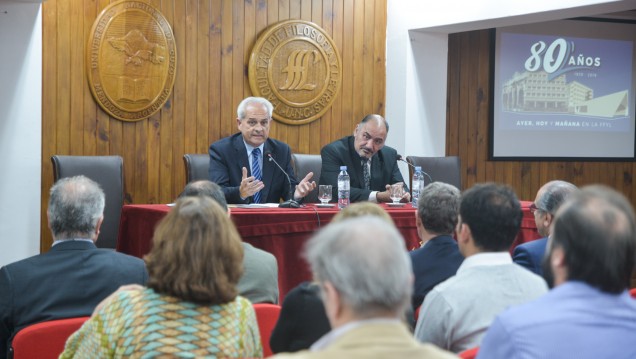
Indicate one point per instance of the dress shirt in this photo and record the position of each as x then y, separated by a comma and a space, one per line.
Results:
74, 239
249, 150
457, 312
574, 320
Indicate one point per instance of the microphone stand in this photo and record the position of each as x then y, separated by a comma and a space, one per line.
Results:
399, 158
290, 203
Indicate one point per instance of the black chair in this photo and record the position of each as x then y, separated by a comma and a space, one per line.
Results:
197, 167
440, 169
304, 164
108, 172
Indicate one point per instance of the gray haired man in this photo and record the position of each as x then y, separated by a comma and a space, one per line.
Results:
365, 292
74, 276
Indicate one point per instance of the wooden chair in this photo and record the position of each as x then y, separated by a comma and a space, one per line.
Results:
304, 164
45, 340
108, 172
439, 169
197, 167
267, 316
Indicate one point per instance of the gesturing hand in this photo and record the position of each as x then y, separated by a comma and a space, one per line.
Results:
304, 187
249, 185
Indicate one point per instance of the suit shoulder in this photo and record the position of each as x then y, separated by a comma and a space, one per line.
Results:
225, 141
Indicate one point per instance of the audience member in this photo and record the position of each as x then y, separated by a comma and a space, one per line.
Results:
259, 282
371, 165
457, 312
365, 292
302, 319
589, 313
438, 258
240, 163
74, 275
548, 200
190, 307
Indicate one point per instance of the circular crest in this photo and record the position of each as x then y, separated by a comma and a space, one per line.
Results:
296, 66
131, 60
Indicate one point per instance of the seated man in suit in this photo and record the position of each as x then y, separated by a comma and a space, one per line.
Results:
365, 292
457, 312
438, 258
259, 282
241, 164
74, 275
371, 165
589, 312
548, 200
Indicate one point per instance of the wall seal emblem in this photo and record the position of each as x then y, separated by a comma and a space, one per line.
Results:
297, 67
131, 60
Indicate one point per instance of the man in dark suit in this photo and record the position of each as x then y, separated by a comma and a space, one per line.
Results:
548, 200
74, 276
439, 256
240, 163
364, 152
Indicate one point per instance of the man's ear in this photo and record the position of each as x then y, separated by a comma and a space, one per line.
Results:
97, 228
238, 122
332, 302
547, 221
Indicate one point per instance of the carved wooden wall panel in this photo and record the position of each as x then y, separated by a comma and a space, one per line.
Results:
467, 131
214, 39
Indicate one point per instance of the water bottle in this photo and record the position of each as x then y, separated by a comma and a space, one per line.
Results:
418, 184
343, 187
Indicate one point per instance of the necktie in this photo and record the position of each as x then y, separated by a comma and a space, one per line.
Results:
365, 173
256, 172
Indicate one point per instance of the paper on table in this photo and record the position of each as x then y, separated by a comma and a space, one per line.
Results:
255, 205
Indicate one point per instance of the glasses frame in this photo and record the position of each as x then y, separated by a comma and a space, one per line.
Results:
533, 208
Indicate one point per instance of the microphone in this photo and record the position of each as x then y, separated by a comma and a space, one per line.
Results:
290, 203
400, 158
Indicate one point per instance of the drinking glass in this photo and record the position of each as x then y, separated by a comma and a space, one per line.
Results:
397, 191
324, 193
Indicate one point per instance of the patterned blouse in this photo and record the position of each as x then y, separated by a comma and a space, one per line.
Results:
145, 324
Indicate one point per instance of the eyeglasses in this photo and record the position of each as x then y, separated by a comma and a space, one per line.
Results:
533, 208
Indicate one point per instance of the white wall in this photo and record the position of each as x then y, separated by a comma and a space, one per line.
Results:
20, 129
417, 51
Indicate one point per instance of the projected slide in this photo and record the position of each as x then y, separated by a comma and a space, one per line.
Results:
565, 87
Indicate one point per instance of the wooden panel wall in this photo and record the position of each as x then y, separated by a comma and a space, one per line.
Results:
214, 38
467, 131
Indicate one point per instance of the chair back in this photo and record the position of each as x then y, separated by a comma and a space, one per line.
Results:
267, 316
45, 340
632, 292
108, 172
469, 353
197, 167
440, 169
303, 164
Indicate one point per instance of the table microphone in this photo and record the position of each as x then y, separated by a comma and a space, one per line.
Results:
290, 203
400, 158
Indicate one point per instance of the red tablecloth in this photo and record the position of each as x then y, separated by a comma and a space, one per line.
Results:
280, 231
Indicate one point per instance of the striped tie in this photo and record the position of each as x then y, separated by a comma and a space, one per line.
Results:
256, 172
365, 173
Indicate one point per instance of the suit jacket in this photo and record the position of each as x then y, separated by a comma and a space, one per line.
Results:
302, 320
228, 157
435, 262
259, 282
377, 340
384, 168
530, 255
67, 281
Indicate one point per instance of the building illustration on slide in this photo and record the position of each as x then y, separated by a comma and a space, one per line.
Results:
534, 92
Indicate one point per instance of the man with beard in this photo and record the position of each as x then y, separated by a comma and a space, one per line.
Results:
588, 313
371, 165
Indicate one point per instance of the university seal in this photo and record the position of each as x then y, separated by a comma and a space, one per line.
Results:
131, 60
297, 67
